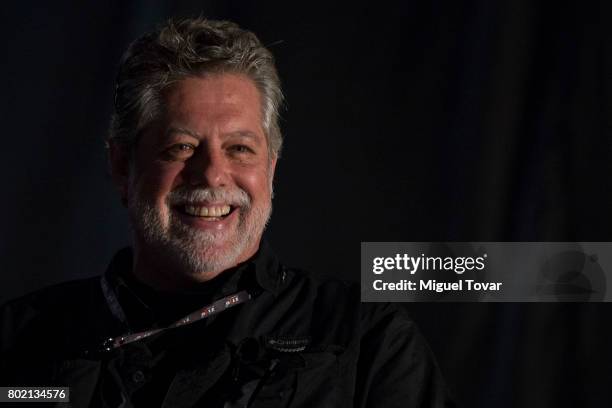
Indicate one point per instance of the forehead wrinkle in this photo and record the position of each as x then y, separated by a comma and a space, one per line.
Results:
215, 105
175, 129
242, 134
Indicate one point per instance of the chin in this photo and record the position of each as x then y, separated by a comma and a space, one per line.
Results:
204, 261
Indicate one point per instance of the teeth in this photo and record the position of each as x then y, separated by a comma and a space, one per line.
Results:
215, 211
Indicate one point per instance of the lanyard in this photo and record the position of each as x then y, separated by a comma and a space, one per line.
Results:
207, 311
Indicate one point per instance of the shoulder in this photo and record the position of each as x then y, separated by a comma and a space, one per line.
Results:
45, 308
324, 287
336, 305
338, 297
54, 296
344, 295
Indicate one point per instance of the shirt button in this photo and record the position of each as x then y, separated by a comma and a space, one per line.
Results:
138, 376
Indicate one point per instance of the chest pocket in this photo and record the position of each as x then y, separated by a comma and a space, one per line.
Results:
272, 387
319, 382
299, 379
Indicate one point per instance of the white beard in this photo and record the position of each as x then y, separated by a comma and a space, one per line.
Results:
192, 252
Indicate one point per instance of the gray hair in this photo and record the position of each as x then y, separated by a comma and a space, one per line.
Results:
187, 48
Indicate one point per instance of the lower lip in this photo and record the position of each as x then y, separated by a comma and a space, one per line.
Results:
204, 224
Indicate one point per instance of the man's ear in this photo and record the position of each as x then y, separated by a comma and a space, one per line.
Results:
271, 171
273, 165
119, 164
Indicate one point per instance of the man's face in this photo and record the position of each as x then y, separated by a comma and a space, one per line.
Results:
199, 188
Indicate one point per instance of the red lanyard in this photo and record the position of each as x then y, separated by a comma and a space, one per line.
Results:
207, 311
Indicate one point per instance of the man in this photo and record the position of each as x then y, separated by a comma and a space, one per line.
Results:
200, 312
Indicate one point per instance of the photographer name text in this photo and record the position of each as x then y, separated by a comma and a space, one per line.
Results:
435, 286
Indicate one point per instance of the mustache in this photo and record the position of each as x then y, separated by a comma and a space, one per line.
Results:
184, 195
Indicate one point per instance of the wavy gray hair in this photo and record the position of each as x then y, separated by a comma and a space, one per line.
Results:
186, 48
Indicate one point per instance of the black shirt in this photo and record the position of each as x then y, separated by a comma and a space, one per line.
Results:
300, 342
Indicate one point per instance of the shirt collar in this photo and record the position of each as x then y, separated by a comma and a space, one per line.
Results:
268, 270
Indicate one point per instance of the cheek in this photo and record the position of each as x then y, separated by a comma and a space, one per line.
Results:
155, 182
256, 184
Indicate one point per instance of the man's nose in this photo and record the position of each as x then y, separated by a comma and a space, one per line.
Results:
207, 167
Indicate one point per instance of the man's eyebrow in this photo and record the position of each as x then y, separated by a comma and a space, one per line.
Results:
173, 130
239, 133
242, 133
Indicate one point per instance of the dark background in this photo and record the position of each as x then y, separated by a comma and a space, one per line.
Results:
406, 121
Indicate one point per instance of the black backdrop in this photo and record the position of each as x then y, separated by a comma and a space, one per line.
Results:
406, 121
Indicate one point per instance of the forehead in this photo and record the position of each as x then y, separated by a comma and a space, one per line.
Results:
228, 102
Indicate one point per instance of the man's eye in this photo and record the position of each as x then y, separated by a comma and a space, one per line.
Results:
180, 150
241, 149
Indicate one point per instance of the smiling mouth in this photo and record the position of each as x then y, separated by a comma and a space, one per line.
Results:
208, 212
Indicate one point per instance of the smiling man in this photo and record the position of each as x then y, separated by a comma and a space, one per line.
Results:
199, 312
199, 190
